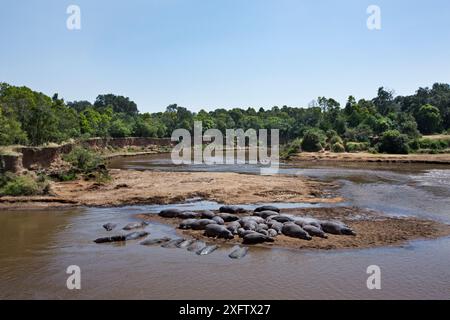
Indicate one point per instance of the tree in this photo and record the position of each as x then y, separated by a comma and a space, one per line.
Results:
119, 104
392, 141
313, 140
429, 119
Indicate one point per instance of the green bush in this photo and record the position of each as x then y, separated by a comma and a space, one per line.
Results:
392, 141
338, 147
291, 149
84, 160
356, 146
26, 185
313, 140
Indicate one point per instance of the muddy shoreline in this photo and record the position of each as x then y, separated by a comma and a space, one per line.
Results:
369, 157
131, 187
373, 230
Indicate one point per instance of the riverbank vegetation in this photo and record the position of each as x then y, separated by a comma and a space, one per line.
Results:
385, 124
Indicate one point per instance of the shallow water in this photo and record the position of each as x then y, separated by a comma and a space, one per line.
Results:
37, 246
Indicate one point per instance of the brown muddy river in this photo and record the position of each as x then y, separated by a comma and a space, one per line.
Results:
36, 247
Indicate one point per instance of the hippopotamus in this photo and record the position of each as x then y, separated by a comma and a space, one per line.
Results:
281, 218
217, 231
242, 232
263, 231
152, 242
336, 228
233, 227
295, 231
187, 224
196, 246
136, 235
266, 214
272, 233
172, 243
188, 215
109, 226
207, 250
170, 213
267, 208
263, 226
184, 244
227, 217
255, 238
219, 220
314, 231
201, 224
277, 226
306, 221
254, 219
238, 252
231, 209
249, 225
206, 214
111, 239
135, 225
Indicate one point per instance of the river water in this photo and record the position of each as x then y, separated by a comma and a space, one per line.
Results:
36, 247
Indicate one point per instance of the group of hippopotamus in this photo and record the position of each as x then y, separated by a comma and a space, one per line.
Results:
197, 246
263, 225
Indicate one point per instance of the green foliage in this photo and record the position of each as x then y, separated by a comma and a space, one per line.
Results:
338, 147
84, 160
393, 141
313, 140
356, 146
429, 119
291, 149
24, 185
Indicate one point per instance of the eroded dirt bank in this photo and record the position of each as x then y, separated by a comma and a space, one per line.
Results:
130, 187
372, 230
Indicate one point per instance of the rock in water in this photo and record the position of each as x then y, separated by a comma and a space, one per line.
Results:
238, 253
207, 250
109, 226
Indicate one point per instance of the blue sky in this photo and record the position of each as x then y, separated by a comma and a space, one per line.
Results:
224, 53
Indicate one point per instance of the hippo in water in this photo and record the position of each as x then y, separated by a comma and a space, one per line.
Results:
295, 231
170, 213
267, 208
111, 239
207, 250
217, 231
196, 246
238, 252
172, 243
109, 226
135, 225
256, 238
232, 209
336, 228
136, 235
152, 242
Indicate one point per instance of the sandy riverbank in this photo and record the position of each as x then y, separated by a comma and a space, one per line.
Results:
129, 187
372, 229
369, 157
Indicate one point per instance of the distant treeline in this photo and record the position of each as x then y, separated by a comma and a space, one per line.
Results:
32, 118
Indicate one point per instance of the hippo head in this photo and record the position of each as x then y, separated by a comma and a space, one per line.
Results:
348, 232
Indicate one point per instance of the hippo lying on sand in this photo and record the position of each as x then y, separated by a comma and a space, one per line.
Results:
232, 209
267, 208
217, 231
255, 238
295, 231
135, 225
336, 228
